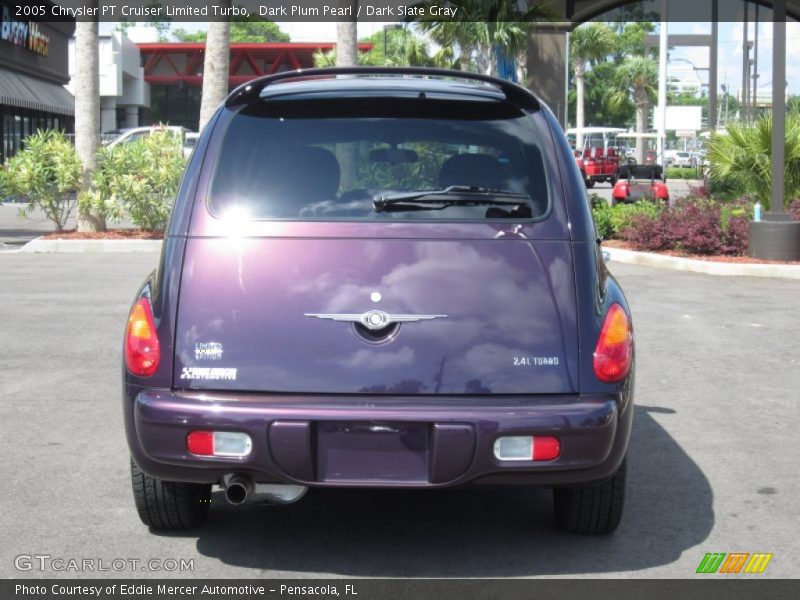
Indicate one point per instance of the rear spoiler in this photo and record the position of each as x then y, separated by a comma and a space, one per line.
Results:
514, 94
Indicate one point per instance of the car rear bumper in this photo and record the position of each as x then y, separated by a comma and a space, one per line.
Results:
349, 441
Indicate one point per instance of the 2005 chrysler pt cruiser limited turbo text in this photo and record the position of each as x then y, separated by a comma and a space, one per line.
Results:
379, 278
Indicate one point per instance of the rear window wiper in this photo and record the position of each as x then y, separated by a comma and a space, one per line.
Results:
454, 195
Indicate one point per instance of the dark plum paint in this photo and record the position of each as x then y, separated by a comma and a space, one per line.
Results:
326, 408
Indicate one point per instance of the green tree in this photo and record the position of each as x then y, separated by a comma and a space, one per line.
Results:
480, 27
247, 31
636, 80
742, 158
216, 66
139, 179
404, 47
598, 85
629, 40
87, 110
48, 171
587, 44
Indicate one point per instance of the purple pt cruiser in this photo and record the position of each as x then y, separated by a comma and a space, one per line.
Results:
379, 278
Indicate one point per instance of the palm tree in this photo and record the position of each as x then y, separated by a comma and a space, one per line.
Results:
481, 27
587, 44
743, 157
347, 38
347, 56
87, 113
216, 65
636, 78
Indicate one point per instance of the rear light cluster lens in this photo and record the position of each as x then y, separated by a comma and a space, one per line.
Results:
527, 447
142, 352
219, 443
614, 352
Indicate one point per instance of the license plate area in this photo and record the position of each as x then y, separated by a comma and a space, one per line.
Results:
369, 451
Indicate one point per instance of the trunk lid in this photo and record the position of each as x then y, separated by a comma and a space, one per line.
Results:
487, 316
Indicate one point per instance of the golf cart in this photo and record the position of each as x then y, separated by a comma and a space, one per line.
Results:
637, 182
599, 156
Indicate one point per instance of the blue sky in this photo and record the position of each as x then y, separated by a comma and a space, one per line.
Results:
730, 53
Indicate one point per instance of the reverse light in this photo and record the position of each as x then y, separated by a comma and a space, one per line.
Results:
142, 351
527, 447
614, 352
219, 443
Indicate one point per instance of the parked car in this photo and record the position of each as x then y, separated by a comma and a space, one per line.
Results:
389, 279
189, 143
135, 133
698, 157
638, 182
683, 159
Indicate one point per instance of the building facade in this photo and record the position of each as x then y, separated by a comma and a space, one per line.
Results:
174, 72
33, 71
124, 94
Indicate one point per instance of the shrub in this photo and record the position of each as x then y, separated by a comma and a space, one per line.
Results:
794, 209
693, 226
603, 220
650, 233
683, 173
139, 179
5, 188
741, 159
613, 220
47, 171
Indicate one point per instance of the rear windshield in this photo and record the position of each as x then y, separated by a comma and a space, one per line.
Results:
378, 159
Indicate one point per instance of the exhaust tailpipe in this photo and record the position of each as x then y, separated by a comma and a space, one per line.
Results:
240, 489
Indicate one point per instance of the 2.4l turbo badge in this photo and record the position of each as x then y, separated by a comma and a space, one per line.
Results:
535, 361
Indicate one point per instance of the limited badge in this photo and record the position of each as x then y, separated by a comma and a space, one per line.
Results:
208, 351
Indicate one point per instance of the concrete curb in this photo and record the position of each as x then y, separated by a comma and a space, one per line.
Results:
41, 245
706, 267
646, 259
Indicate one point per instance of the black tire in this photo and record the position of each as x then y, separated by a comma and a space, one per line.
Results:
169, 505
591, 509
613, 181
590, 183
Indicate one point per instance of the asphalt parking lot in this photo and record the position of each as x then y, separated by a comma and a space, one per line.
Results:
713, 459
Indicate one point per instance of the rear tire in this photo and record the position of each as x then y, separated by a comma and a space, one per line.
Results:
592, 509
169, 505
590, 183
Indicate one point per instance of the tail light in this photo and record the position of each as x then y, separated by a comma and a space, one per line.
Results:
141, 343
527, 447
219, 443
614, 352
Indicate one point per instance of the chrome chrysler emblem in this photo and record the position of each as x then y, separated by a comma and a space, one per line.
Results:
374, 319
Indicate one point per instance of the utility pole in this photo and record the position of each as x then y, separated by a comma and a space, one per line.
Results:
755, 62
743, 96
713, 86
661, 111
